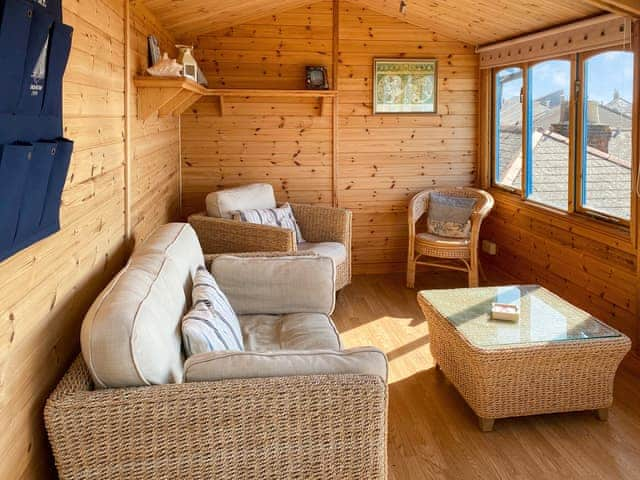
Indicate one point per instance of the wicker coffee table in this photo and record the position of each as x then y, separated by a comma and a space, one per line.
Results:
555, 358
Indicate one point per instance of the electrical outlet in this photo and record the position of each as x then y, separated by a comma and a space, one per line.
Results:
489, 247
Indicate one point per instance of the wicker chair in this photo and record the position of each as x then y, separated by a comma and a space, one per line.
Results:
317, 223
453, 253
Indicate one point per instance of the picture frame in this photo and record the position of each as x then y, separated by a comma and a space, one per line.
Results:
405, 85
154, 50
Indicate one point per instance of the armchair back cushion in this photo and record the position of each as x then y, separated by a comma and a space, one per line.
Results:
449, 216
276, 285
224, 203
131, 334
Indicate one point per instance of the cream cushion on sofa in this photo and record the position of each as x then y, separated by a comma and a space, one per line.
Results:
294, 331
224, 203
295, 284
131, 334
213, 366
334, 250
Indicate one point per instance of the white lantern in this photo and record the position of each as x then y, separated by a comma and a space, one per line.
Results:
189, 64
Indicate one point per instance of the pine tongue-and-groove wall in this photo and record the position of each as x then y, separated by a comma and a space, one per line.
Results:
383, 160
46, 289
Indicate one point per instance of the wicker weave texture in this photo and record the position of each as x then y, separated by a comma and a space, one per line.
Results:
526, 379
329, 427
317, 223
465, 252
220, 235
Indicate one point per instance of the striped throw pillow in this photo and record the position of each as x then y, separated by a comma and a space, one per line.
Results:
211, 324
277, 217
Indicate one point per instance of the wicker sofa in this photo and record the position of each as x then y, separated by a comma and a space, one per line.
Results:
321, 415
323, 228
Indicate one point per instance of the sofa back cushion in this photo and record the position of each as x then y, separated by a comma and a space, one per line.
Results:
179, 242
224, 203
276, 285
131, 334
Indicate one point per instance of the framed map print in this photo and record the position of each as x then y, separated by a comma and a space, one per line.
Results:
405, 85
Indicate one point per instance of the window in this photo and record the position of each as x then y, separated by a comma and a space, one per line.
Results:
563, 132
548, 133
508, 140
606, 143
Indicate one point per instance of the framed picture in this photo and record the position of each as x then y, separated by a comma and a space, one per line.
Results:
405, 85
154, 50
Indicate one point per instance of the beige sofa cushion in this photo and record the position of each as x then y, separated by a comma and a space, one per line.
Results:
295, 331
131, 334
276, 285
179, 242
334, 250
223, 203
213, 366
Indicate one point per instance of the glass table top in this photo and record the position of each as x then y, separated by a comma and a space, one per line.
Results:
544, 317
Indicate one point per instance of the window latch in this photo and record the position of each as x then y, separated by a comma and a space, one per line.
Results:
522, 95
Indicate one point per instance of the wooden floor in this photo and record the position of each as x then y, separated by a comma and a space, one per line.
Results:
433, 434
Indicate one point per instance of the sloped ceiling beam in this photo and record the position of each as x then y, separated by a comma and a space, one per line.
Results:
622, 7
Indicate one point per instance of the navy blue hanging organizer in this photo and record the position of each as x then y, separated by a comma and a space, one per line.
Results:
34, 157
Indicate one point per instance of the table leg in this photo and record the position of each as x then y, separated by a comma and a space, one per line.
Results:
603, 414
486, 424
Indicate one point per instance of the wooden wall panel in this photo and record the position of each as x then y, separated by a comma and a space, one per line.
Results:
279, 140
155, 143
591, 270
383, 160
46, 289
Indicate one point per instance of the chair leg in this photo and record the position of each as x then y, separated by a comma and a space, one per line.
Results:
473, 273
411, 272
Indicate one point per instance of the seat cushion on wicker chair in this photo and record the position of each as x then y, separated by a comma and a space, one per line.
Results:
295, 331
334, 250
442, 241
214, 366
224, 203
295, 284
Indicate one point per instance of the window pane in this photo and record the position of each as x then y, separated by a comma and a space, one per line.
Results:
607, 136
508, 141
548, 133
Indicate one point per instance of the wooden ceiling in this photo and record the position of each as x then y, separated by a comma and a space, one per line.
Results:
476, 22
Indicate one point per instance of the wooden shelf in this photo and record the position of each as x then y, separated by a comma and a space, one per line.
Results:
171, 96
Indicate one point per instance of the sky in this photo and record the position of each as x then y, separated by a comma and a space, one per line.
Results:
606, 73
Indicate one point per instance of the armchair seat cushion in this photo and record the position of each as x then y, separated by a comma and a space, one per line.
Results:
296, 331
334, 250
444, 241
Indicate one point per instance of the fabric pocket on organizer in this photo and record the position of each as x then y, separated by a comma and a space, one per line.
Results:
58, 57
15, 164
14, 39
35, 65
35, 190
50, 218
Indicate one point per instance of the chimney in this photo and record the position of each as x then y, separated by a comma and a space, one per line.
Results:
598, 134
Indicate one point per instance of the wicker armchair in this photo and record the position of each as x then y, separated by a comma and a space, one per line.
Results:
284, 427
317, 223
453, 253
